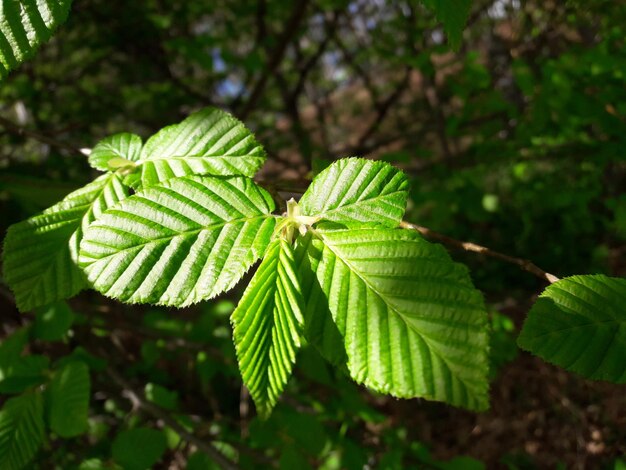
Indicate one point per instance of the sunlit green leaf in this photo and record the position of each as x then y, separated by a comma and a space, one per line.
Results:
409, 320
181, 242
40, 253
24, 26
267, 325
579, 323
116, 151
208, 142
357, 190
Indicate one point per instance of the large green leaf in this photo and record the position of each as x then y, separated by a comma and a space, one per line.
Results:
24, 26
579, 323
181, 242
357, 190
69, 399
115, 151
208, 142
267, 326
21, 430
409, 320
40, 253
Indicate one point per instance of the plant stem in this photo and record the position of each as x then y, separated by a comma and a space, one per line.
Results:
524, 264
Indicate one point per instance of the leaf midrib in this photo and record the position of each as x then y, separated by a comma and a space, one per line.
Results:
180, 234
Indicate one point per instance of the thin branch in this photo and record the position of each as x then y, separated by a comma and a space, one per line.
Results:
18, 130
138, 400
524, 264
277, 55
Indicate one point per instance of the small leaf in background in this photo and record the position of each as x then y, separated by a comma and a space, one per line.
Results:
267, 326
578, 323
502, 343
201, 461
52, 322
139, 448
25, 26
22, 373
161, 396
453, 15
291, 458
69, 394
11, 349
21, 430
116, 151
357, 190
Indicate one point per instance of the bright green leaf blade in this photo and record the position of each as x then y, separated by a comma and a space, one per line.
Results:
209, 142
411, 323
116, 151
24, 26
358, 190
21, 430
181, 242
69, 399
579, 323
139, 448
52, 322
267, 325
40, 253
453, 14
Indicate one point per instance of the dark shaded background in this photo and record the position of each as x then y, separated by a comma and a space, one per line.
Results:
517, 141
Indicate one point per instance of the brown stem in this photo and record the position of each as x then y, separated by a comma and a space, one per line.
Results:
524, 264
290, 31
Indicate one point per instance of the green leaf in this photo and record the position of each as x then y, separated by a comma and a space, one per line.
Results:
267, 325
357, 190
139, 448
184, 241
409, 320
208, 142
116, 151
21, 430
453, 14
11, 349
52, 322
161, 396
579, 323
24, 26
22, 373
69, 399
201, 461
98, 464
40, 253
